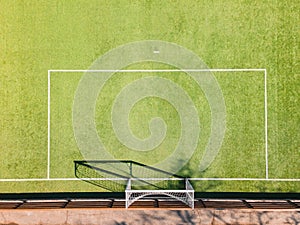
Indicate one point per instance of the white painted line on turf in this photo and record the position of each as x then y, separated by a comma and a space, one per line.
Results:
155, 71
266, 126
48, 157
164, 70
118, 179
56, 179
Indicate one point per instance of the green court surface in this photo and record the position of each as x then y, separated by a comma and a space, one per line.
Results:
251, 47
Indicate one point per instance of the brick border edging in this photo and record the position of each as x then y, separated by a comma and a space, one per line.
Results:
142, 216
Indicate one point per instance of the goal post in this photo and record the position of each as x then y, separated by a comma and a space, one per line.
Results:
185, 195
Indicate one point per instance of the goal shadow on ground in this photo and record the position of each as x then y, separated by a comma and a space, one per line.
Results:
113, 175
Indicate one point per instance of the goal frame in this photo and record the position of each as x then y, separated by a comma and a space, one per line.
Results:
186, 196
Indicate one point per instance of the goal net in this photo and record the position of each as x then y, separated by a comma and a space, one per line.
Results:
185, 194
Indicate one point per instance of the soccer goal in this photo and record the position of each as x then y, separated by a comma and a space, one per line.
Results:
136, 179
185, 194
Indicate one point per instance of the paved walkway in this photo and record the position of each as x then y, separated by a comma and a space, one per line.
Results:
153, 217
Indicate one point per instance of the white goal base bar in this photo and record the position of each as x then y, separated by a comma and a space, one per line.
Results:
186, 196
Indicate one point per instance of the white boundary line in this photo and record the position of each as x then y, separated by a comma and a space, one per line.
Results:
49, 110
151, 71
119, 179
166, 70
266, 125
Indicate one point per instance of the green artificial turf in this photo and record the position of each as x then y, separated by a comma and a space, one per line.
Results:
36, 36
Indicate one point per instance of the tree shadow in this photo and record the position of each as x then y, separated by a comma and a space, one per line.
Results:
186, 217
121, 223
201, 185
113, 175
